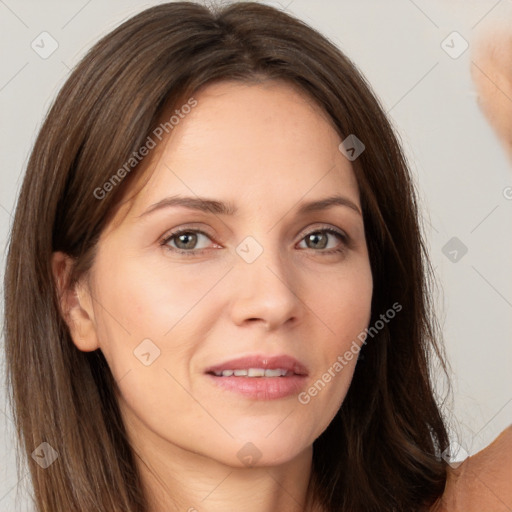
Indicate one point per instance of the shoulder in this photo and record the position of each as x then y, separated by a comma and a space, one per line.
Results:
483, 481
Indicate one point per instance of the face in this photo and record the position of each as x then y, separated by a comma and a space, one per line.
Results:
272, 286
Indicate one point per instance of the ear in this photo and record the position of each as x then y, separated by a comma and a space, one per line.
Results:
75, 304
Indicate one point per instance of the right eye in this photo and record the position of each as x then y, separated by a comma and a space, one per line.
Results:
185, 239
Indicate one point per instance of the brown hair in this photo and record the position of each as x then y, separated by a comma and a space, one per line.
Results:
382, 451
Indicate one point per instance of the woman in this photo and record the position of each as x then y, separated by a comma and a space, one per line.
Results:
224, 302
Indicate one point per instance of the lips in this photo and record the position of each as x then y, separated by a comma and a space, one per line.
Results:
259, 377
259, 366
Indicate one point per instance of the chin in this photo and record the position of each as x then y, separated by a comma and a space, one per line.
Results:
260, 450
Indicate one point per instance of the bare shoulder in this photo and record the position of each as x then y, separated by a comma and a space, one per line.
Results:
483, 481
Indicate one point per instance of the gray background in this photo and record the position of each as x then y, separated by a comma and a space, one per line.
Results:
460, 168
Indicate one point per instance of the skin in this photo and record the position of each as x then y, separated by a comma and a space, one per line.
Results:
491, 71
267, 148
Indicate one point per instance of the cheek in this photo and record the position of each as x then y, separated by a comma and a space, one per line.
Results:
151, 320
343, 301
137, 300
146, 323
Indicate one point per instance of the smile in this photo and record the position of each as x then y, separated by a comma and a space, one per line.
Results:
254, 372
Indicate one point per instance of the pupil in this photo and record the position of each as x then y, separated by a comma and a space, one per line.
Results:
189, 235
315, 236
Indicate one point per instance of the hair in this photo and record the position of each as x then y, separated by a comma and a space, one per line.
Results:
382, 451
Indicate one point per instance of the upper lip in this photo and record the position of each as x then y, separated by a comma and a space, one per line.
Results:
261, 361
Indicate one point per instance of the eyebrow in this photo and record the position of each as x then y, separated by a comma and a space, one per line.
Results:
205, 204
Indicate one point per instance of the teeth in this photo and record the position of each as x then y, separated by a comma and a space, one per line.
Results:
275, 373
253, 372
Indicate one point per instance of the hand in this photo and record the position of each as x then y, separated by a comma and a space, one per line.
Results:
491, 71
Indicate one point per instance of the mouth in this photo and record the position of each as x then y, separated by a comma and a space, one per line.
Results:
260, 377
254, 372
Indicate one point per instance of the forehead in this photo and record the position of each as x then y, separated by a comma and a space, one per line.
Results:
266, 141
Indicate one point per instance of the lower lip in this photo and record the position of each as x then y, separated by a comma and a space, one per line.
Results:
262, 388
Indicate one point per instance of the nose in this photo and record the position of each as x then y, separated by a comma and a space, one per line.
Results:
264, 291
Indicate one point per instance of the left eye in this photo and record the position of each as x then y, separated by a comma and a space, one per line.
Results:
185, 240
322, 235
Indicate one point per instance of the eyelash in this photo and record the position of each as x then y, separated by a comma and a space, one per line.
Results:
194, 252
